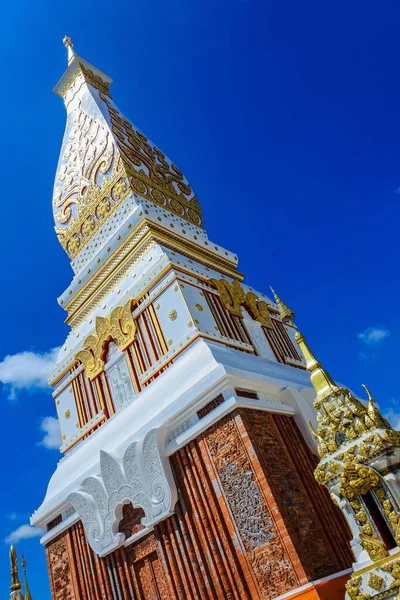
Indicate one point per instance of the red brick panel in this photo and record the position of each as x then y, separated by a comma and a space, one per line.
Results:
251, 523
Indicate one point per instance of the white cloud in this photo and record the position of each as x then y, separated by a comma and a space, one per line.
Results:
51, 429
23, 532
26, 370
373, 335
393, 417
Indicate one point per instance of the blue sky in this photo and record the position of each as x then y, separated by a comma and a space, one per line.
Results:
285, 118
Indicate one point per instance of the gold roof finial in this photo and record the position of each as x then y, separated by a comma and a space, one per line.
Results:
320, 378
374, 412
15, 582
27, 591
285, 312
70, 47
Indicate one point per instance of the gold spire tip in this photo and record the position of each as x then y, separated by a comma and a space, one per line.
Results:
15, 582
68, 42
285, 312
370, 397
320, 378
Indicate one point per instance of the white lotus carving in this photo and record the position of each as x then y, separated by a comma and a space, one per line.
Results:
144, 478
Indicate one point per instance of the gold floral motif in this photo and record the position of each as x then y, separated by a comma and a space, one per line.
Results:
375, 582
103, 208
172, 315
91, 214
375, 548
233, 296
138, 186
394, 569
357, 479
67, 413
88, 226
353, 589
120, 326
199, 307
119, 189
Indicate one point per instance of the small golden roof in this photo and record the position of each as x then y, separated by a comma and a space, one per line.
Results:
341, 417
285, 312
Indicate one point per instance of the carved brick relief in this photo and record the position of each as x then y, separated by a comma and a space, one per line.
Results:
248, 524
287, 485
150, 578
59, 568
265, 551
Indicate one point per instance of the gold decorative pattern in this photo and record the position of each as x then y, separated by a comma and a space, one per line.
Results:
341, 417
375, 548
100, 167
67, 413
375, 582
87, 76
352, 438
357, 480
15, 582
172, 315
233, 297
353, 589
392, 514
100, 202
285, 312
152, 176
199, 307
119, 326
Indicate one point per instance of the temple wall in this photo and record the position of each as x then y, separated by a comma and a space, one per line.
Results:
251, 523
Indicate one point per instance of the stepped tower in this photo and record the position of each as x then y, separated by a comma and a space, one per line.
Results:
183, 401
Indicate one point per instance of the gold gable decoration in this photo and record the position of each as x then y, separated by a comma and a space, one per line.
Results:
233, 297
119, 326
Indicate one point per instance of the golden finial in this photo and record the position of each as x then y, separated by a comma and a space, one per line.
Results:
15, 582
320, 378
374, 412
27, 591
370, 398
69, 45
285, 312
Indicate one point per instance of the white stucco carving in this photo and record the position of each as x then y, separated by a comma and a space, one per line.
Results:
144, 478
119, 377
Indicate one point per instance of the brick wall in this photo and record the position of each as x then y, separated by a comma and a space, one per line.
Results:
251, 523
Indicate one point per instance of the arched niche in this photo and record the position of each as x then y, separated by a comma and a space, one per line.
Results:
130, 519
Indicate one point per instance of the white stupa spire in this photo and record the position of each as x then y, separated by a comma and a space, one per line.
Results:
70, 47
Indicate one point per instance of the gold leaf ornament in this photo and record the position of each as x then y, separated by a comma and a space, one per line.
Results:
233, 297
119, 326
